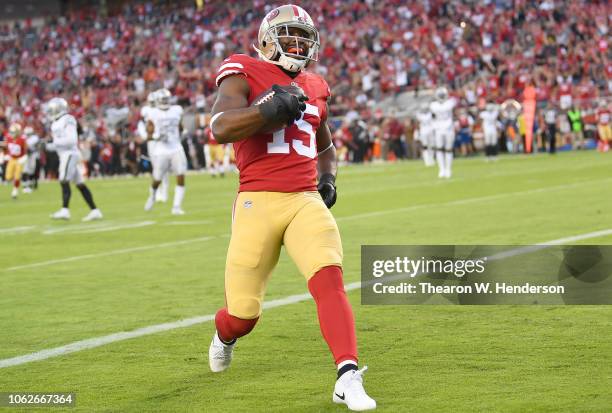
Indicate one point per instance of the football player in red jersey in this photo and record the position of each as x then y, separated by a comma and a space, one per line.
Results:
274, 112
15, 144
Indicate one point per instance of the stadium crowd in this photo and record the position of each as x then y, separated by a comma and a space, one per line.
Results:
482, 51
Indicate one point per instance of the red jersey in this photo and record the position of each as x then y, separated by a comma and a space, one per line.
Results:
603, 116
15, 147
565, 89
285, 161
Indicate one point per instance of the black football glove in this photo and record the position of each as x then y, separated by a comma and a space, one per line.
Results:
283, 102
327, 189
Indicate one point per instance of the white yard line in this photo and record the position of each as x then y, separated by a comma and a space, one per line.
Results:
109, 253
16, 230
115, 227
200, 222
59, 229
77, 228
158, 328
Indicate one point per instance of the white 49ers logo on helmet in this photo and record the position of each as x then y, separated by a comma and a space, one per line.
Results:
272, 14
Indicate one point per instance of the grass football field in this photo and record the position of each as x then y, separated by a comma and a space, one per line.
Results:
64, 282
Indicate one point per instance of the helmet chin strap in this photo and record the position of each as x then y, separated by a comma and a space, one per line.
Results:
290, 64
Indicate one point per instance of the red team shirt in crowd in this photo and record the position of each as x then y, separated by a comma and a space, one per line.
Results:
285, 161
15, 147
565, 89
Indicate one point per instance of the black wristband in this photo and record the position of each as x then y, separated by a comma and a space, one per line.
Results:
328, 178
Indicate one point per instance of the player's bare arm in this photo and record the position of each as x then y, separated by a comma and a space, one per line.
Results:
150, 130
232, 118
326, 165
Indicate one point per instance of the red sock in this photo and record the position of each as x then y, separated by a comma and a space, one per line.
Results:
230, 328
335, 314
17, 183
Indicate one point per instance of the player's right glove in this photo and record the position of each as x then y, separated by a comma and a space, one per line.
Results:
282, 103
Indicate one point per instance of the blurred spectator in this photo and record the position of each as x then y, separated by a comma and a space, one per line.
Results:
550, 118
360, 138
575, 118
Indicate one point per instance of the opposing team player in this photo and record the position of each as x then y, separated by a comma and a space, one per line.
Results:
64, 132
444, 132
164, 127
31, 170
282, 141
489, 128
425, 135
15, 144
161, 194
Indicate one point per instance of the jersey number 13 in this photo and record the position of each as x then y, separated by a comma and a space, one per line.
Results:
278, 144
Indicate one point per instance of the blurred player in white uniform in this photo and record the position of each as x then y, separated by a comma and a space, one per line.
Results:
164, 127
161, 195
489, 128
425, 135
444, 132
65, 143
30, 172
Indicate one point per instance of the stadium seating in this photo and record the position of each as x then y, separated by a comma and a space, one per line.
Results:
370, 50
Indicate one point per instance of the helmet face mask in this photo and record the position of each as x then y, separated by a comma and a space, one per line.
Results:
162, 99
293, 39
151, 99
56, 108
15, 130
288, 38
441, 94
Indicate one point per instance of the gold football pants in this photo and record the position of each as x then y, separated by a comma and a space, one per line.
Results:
14, 169
262, 222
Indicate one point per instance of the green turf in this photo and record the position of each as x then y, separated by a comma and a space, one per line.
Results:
421, 358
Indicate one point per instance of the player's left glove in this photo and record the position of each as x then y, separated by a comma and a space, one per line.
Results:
327, 189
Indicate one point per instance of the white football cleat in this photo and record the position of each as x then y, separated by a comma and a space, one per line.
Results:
27, 190
14, 193
159, 197
349, 390
177, 211
219, 354
63, 213
149, 204
93, 215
